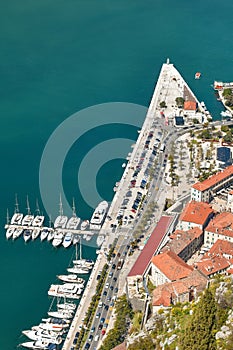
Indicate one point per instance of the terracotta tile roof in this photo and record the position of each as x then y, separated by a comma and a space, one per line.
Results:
214, 179
151, 246
162, 294
190, 105
179, 240
220, 248
196, 212
231, 192
221, 224
172, 266
212, 265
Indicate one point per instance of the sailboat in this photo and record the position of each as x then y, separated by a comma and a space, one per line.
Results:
74, 221
81, 266
28, 219
50, 233
39, 219
61, 220
17, 217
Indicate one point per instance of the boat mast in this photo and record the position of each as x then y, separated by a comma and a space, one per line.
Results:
16, 204
60, 207
28, 207
50, 221
7, 216
37, 208
80, 248
73, 209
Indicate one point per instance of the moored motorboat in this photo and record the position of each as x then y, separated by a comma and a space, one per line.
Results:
72, 278
54, 327
67, 239
67, 306
98, 216
84, 225
78, 270
9, 232
42, 334
38, 344
58, 238
27, 235
50, 236
67, 290
35, 233
44, 233
17, 233
61, 314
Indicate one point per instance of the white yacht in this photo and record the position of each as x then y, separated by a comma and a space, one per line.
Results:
84, 225
61, 220
58, 238
16, 219
38, 221
67, 306
10, 231
58, 321
76, 239
27, 220
54, 327
67, 241
61, 314
67, 290
74, 221
35, 233
27, 235
18, 232
78, 270
50, 236
42, 334
44, 233
98, 216
100, 240
72, 278
38, 344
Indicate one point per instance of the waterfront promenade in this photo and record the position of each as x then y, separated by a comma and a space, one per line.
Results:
170, 85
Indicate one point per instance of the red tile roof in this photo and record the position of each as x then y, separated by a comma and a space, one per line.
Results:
190, 105
196, 212
151, 246
179, 240
162, 294
220, 248
171, 265
120, 347
212, 265
214, 179
221, 224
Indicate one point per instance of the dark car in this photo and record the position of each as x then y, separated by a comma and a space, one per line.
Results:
106, 307
114, 266
87, 346
102, 320
75, 341
100, 326
105, 292
114, 279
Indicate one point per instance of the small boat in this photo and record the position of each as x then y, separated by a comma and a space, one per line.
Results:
197, 75
61, 220
27, 235
84, 225
38, 221
58, 238
67, 290
100, 240
74, 221
61, 314
54, 327
35, 233
44, 234
9, 232
17, 219
38, 344
18, 231
98, 216
50, 236
67, 239
67, 306
75, 239
59, 321
78, 270
82, 263
42, 334
71, 278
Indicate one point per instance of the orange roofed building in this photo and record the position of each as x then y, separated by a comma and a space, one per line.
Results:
190, 105
184, 290
185, 243
204, 191
167, 267
220, 227
195, 214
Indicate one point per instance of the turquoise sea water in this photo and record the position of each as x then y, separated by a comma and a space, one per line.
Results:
59, 57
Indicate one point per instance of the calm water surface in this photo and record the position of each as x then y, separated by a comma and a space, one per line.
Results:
60, 57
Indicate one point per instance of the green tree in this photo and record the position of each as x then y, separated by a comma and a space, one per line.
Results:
180, 101
145, 343
163, 104
200, 330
